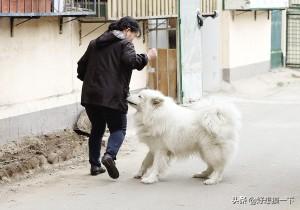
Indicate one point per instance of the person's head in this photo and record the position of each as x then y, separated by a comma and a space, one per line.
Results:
129, 26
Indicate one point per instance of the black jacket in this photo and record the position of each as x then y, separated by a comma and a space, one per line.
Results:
106, 69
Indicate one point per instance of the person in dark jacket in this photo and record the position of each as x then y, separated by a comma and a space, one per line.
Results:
105, 69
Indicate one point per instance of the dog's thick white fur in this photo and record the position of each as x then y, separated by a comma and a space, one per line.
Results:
172, 131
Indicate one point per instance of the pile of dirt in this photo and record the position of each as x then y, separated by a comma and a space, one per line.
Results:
32, 153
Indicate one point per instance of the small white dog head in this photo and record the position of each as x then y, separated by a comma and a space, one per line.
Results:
146, 100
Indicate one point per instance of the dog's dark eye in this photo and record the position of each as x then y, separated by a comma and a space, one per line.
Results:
140, 96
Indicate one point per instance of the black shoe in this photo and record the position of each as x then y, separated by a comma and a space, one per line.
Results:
110, 166
95, 170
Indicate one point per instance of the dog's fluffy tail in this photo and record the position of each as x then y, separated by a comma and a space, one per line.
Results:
222, 120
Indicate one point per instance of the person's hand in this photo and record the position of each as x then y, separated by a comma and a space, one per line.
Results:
152, 53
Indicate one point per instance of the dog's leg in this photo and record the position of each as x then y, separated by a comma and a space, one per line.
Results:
213, 156
159, 165
147, 162
215, 177
204, 174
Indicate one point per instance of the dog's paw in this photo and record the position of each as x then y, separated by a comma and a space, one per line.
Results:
210, 182
138, 176
149, 180
200, 175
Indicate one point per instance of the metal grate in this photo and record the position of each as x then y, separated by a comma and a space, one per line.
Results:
293, 40
141, 9
31, 8
294, 3
208, 7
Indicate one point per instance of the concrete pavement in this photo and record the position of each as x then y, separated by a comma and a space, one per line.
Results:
267, 166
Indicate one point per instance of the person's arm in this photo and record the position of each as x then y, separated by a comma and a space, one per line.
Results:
82, 64
133, 60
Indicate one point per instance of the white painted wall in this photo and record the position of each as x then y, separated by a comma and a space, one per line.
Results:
211, 52
256, 4
245, 40
249, 40
225, 37
191, 51
38, 65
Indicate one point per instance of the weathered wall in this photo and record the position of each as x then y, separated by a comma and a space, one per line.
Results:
246, 44
211, 52
38, 72
191, 51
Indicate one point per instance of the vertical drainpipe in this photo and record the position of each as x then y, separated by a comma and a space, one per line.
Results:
179, 57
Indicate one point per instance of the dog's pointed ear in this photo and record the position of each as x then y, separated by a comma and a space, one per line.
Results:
157, 101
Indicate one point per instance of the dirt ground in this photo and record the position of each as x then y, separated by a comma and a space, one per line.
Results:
33, 154
39, 154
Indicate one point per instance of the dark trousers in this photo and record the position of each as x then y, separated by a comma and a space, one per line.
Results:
116, 123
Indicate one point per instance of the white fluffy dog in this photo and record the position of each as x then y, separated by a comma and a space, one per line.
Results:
171, 131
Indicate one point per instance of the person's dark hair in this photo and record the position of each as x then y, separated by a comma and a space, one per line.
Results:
125, 23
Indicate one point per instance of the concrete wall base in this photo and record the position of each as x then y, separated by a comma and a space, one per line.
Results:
41, 122
241, 72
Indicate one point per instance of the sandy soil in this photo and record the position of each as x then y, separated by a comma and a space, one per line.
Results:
32, 154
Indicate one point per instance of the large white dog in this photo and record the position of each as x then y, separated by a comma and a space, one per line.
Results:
171, 131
